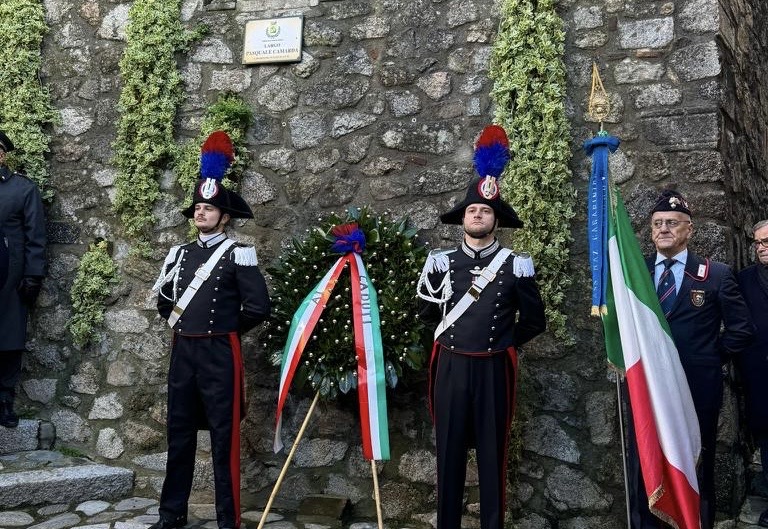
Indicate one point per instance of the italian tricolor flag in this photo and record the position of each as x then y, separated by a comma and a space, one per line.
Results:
638, 341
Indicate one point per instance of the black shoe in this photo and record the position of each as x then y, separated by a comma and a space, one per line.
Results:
763, 521
164, 523
8, 417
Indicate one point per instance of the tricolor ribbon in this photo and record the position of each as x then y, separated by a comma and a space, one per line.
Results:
371, 385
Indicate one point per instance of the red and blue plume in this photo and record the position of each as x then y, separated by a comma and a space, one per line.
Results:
216, 155
348, 238
491, 152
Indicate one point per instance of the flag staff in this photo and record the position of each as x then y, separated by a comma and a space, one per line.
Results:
599, 107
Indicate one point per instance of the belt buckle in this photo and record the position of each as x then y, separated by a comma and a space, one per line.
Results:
202, 273
474, 292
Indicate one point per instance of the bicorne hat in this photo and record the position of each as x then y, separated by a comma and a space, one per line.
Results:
5, 142
491, 157
216, 156
671, 200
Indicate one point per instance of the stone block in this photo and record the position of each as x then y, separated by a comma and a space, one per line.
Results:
68, 484
19, 439
62, 233
324, 509
681, 130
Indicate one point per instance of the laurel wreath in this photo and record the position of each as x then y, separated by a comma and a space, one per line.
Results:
393, 258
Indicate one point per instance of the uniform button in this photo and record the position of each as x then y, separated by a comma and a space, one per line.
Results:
215, 288
453, 325
498, 305
211, 322
212, 311
214, 300
501, 282
209, 332
501, 272
498, 294
493, 328
182, 268
451, 337
453, 347
490, 339
490, 350
495, 316
221, 268
217, 278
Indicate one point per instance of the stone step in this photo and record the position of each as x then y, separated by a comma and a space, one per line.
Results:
31, 434
47, 477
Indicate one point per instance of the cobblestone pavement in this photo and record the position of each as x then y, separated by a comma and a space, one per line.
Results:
131, 513
140, 513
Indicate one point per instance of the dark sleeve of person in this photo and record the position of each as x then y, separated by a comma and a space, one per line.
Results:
531, 320
431, 313
254, 297
34, 233
164, 304
737, 323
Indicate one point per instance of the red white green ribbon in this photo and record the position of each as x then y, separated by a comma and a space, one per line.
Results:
368, 350
371, 383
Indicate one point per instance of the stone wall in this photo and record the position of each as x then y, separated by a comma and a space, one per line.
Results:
382, 110
744, 138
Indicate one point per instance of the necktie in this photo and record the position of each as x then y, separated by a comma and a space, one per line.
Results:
666, 288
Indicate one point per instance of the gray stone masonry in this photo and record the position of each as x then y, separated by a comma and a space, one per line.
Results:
382, 110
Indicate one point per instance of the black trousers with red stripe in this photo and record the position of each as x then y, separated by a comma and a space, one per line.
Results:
472, 403
204, 390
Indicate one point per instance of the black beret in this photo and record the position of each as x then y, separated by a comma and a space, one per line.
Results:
670, 200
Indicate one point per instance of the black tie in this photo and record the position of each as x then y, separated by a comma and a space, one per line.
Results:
666, 289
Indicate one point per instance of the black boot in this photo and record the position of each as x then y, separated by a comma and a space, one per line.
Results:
164, 523
8, 417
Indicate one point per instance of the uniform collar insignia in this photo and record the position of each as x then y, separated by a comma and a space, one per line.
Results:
480, 254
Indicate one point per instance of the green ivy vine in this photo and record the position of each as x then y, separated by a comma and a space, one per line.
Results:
149, 99
529, 91
393, 260
25, 106
96, 275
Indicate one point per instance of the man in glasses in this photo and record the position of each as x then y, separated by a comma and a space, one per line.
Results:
699, 297
753, 281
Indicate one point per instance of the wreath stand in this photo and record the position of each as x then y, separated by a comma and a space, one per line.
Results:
288, 460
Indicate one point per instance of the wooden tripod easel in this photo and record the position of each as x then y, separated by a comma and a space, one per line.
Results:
288, 460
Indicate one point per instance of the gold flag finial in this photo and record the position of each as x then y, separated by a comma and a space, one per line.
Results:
599, 105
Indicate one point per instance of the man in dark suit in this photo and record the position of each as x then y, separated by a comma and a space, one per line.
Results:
211, 292
698, 297
753, 363
22, 223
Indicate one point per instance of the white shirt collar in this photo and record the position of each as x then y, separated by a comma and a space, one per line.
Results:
681, 257
208, 241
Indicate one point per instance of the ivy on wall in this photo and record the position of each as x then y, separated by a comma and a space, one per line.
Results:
150, 96
25, 105
529, 90
96, 275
